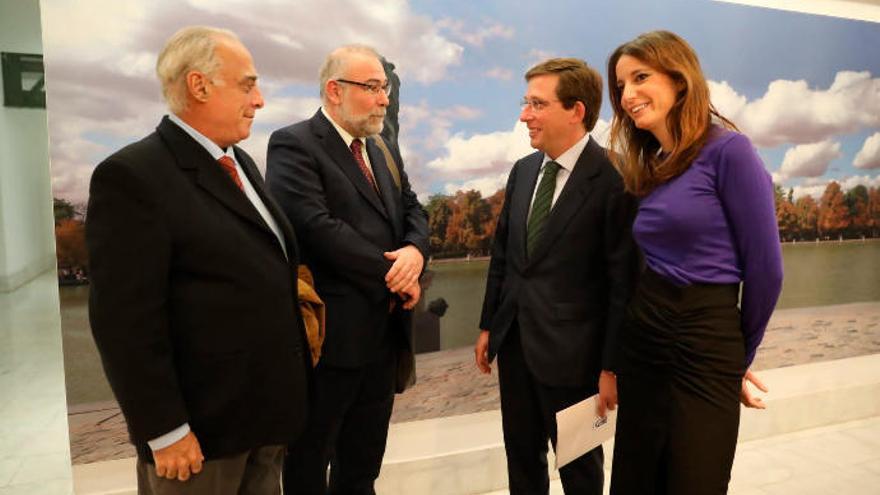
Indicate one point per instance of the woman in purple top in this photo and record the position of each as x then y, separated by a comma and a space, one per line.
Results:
705, 224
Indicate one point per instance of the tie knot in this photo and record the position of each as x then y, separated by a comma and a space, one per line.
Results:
551, 168
356, 146
227, 162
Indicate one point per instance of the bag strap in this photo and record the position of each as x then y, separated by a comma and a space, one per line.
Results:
389, 160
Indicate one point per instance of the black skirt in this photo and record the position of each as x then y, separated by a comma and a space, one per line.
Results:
680, 365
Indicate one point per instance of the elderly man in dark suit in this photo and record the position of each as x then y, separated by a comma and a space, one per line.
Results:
193, 300
560, 276
364, 235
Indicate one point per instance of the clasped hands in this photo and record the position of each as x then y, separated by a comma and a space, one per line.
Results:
403, 277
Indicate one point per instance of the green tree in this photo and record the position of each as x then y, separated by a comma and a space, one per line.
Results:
64, 210
807, 213
856, 200
439, 214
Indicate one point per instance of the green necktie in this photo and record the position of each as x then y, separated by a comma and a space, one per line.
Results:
541, 205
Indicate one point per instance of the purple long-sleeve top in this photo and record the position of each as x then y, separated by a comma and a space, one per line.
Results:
716, 223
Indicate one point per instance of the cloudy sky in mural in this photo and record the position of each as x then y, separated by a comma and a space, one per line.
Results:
805, 89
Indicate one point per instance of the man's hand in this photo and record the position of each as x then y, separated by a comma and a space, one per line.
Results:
411, 295
481, 352
745, 395
407, 267
179, 459
607, 393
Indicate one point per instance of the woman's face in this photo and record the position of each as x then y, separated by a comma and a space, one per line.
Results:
646, 95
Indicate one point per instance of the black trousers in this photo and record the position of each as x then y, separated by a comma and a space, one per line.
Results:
528, 417
347, 430
682, 359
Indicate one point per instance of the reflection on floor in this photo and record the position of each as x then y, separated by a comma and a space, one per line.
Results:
34, 445
843, 458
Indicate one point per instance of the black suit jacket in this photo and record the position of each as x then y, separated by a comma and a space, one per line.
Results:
193, 303
568, 298
344, 227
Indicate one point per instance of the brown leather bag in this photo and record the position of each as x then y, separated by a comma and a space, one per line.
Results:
313, 311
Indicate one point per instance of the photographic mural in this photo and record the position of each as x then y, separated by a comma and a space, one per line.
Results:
804, 88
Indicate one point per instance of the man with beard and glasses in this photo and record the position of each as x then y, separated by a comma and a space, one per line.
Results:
364, 235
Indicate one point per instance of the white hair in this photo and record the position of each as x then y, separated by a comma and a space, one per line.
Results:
336, 63
190, 49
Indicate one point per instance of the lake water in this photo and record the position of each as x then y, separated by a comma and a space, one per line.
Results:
815, 275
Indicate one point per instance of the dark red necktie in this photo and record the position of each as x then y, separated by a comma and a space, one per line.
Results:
228, 165
359, 158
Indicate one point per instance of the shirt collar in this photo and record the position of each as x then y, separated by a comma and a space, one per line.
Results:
569, 159
348, 138
211, 147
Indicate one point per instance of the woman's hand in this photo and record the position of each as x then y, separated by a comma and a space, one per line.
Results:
745, 395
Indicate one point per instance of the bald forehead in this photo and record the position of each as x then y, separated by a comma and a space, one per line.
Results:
233, 53
363, 67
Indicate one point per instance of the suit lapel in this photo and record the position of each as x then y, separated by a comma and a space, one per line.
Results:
256, 180
390, 195
571, 198
209, 176
341, 155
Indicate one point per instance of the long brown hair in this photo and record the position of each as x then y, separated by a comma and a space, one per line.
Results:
636, 151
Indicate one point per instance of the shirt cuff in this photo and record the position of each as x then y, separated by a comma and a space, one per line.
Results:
169, 438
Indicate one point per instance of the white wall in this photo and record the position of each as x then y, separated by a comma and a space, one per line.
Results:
27, 244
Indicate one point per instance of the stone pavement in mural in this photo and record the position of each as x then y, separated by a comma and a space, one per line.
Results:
448, 383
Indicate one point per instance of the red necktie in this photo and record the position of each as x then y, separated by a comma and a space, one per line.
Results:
228, 164
359, 158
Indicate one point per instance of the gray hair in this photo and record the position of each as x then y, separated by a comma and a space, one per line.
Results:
337, 62
190, 49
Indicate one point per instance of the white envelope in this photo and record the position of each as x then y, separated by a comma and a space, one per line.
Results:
579, 430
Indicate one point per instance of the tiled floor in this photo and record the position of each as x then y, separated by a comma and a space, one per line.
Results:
34, 445
843, 459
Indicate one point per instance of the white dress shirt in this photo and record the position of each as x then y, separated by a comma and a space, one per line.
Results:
567, 162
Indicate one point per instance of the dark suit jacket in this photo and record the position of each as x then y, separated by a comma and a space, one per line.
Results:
344, 227
193, 303
569, 297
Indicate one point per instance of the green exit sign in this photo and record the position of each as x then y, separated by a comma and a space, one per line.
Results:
24, 82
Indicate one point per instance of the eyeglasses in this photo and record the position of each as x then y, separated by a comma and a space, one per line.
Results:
371, 86
534, 104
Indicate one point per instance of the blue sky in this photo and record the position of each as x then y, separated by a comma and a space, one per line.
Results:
461, 63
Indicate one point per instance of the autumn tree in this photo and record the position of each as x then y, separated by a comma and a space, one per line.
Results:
874, 211
786, 216
833, 212
70, 243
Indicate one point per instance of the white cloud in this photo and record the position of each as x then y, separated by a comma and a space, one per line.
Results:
809, 160
100, 57
816, 188
487, 185
601, 132
427, 127
475, 37
281, 110
869, 155
536, 55
499, 73
483, 153
793, 112
726, 99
